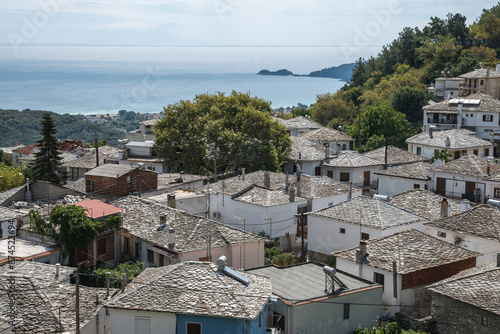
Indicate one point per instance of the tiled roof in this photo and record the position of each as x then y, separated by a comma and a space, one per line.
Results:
481, 221
152, 121
44, 273
141, 218
351, 159
6, 195
87, 160
299, 122
197, 288
97, 209
7, 214
469, 165
265, 197
311, 186
46, 305
424, 203
304, 149
416, 170
111, 170
486, 104
325, 134
411, 249
481, 289
480, 73
395, 155
78, 185
26, 150
459, 139
495, 177
369, 212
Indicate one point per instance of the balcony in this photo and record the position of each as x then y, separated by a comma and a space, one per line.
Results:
441, 121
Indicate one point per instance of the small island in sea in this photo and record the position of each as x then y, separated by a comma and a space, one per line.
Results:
342, 72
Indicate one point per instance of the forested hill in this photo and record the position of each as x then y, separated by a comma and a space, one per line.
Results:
23, 127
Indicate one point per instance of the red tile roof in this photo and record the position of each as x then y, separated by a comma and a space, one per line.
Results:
97, 209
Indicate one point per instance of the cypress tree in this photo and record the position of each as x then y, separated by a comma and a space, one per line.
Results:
47, 160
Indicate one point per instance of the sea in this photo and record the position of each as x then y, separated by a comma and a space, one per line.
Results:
77, 79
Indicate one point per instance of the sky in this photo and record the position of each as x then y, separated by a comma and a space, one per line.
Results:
357, 23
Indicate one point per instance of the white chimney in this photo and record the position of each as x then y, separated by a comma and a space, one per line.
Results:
327, 153
243, 174
447, 142
459, 118
361, 253
464, 205
57, 270
267, 180
171, 238
292, 195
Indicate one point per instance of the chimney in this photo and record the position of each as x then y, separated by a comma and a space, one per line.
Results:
460, 117
488, 168
287, 183
492, 138
57, 270
299, 192
464, 205
327, 153
292, 195
243, 174
96, 153
447, 142
163, 219
498, 259
267, 180
339, 148
171, 238
444, 208
171, 200
431, 131
361, 253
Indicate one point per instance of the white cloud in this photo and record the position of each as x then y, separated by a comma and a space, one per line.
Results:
134, 25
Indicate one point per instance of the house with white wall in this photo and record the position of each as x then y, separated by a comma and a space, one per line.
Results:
477, 112
457, 142
362, 218
476, 229
464, 178
446, 87
191, 297
349, 302
337, 140
307, 156
298, 125
428, 204
159, 235
352, 167
482, 80
398, 179
137, 153
145, 131
405, 263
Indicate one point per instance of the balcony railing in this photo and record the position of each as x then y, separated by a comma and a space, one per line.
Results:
441, 121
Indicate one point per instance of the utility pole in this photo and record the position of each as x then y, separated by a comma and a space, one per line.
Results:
210, 247
270, 227
96, 153
302, 255
215, 166
140, 186
77, 305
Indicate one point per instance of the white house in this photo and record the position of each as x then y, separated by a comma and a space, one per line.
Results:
145, 131
338, 141
398, 179
352, 167
446, 87
405, 263
464, 178
138, 153
343, 225
393, 156
482, 80
477, 112
298, 125
476, 229
159, 235
458, 142
306, 155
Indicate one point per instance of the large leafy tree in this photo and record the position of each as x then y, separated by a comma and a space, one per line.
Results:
332, 109
409, 101
221, 132
48, 162
10, 177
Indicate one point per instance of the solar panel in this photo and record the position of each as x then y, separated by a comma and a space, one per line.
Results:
236, 275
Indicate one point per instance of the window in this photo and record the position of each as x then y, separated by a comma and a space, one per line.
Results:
345, 176
137, 250
260, 320
475, 152
419, 150
347, 310
471, 115
486, 152
317, 171
161, 264
90, 186
466, 115
487, 118
379, 278
416, 186
365, 236
342, 230
126, 245
101, 246
329, 173
441, 234
142, 325
129, 182
481, 82
193, 328
151, 256
496, 192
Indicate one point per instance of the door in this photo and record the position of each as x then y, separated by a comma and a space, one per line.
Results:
441, 186
469, 188
366, 178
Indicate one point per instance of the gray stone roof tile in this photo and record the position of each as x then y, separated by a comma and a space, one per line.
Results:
395, 155
487, 103
459, 139
351, 160
299, 122
416, 170
304, 149
469, 165
325, 135
480, 73
424, 203
87, 160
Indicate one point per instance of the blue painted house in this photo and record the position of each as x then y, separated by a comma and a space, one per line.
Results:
191, 298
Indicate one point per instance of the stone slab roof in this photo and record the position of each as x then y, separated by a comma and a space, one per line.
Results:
424, 203
481, 221
197, 288
486, 103
311, 186
351, 160
265, 197
326, 135
44, 273
480, 73
416, 171
87, 160
411, 249
152, 121
395, 155
6, 195
299, 122
469, 165
459, 139
369, 212
480, 289
111, 170
141, 217
78, 185
304, 149
289, 282
7, 214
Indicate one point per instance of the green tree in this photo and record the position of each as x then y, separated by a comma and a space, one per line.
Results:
235, 130
4, 159
329, 107
383, 121
99, 274
48, 162
409, 101
10, 177
441, 155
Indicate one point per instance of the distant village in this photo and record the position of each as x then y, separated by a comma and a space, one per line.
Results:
374, 236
